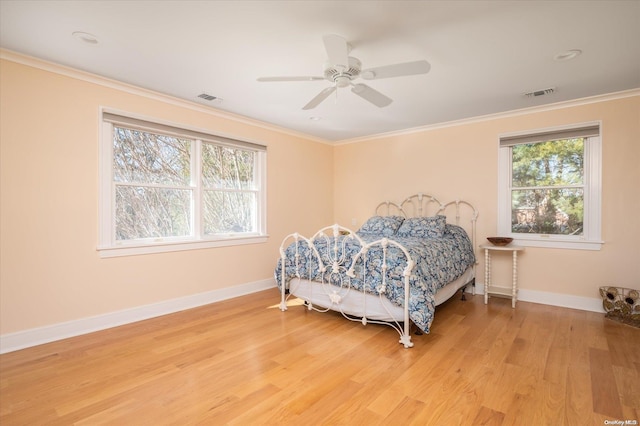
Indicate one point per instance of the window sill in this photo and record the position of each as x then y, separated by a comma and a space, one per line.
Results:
557, 243
165, 246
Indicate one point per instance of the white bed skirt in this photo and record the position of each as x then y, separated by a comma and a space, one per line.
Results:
367, 305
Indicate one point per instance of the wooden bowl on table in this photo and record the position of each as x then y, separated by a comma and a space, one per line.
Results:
500, 241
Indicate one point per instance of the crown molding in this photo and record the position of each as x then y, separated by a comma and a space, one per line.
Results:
513, 113
88, 77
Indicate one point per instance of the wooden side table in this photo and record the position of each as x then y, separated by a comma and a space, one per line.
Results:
503, 291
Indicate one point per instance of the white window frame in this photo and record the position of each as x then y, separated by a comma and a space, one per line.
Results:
108, 246
591, 237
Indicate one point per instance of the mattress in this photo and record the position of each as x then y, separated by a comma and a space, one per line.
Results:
360, 304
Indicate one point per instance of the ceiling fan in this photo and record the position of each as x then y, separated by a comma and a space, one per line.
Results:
342, 69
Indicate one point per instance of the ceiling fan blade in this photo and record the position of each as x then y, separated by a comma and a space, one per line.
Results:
396, 70
320, 97
337, 50
298, 78
371, 95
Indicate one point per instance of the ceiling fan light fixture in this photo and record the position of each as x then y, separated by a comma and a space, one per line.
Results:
343, 81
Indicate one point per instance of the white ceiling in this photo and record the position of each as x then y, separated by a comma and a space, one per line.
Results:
484, 54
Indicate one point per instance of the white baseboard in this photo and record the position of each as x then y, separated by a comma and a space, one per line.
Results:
582, 303
563, 300
37, 336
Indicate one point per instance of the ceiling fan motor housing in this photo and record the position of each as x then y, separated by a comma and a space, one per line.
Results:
339, 75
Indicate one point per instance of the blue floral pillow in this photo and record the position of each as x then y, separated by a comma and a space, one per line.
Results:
384, 226
423, 227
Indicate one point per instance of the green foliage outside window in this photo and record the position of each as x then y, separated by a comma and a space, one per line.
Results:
547, 187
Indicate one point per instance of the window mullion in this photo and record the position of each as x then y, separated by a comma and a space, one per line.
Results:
152, 185
504, 191
196, 183
593, 178
107, 188
523, 188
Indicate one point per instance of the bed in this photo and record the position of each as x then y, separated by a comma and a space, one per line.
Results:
405, 260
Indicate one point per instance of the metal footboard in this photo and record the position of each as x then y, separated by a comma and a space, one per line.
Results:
337, 268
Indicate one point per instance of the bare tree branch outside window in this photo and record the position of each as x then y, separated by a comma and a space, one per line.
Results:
152, 174
154, 186
230, 189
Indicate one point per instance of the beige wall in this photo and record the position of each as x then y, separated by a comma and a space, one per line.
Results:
461, 161
50, 271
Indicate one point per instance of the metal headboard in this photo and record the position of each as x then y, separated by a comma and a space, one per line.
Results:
389, 208
421, 204
417, 205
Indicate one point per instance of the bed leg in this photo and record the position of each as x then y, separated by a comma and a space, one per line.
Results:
418, 332
473, 289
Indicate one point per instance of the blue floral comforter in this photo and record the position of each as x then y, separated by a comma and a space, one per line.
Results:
438, 261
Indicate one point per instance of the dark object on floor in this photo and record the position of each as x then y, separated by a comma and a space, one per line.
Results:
621, 304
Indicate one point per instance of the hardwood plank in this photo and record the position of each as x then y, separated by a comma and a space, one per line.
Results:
578, 396
494, 322
488, 417
387, 401
225, 413
622, 343
558, 355
407, 412
503, 339
604, 390
628, 379
507, 381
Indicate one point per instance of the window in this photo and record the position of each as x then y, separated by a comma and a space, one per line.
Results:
165, 188
549, 187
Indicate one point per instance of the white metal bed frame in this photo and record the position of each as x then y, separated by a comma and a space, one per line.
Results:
368, 307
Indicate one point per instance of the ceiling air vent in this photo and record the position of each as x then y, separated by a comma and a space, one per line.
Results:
540, 92
207, 97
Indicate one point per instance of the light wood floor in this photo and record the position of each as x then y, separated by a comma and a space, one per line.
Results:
244, 362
